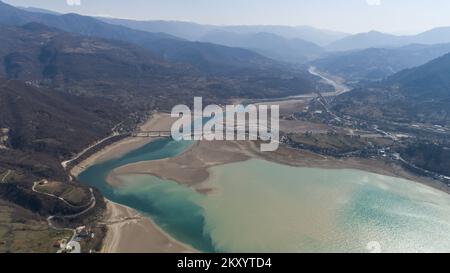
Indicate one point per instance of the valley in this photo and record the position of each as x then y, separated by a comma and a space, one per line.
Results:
88, 164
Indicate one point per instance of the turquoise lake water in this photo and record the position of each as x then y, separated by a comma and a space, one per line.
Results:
260, 206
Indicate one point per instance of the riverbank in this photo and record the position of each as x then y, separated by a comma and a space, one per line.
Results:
158, 122
128, 230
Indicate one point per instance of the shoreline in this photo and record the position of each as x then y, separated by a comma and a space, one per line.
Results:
129, 231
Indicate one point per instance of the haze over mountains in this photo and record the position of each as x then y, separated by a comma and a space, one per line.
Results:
230, 50
420, 94
139, 60
365, 56
378, 39
195, 32
270, 45
283, 43
379, 63
203, 56
223, 50
171, 41
90, 66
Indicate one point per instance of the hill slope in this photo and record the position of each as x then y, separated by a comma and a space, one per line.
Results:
366, 40
420, 94
377, 39
269, 45
51, 122
379, 63
121, 71
204, 56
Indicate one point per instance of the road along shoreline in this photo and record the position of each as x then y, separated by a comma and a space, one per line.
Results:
128, 230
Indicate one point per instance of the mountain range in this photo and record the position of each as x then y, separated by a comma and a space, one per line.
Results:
267, 44
420, 94
195, 32
328, 40
207, 57
378, 39
378, 63
287, 44
198, 44
139, 79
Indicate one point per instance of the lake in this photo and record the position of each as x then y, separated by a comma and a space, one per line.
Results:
260, 206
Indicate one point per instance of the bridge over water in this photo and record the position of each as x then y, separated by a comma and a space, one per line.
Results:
151, 134
158, 134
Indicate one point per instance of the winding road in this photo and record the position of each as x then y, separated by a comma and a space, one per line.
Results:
89, 206
60, 198
6, 176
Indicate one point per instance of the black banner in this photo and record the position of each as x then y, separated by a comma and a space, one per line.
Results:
128, 263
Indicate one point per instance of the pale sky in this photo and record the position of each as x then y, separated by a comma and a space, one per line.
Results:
394, 16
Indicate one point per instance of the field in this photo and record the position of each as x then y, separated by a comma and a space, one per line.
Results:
340, 142
23, 231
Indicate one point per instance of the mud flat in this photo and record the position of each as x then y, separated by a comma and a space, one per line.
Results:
191, 167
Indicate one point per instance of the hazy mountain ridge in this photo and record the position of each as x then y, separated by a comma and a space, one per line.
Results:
195, 31
91, 66
431, 80
168, 47
79, 64
379, 63
282, 43
419, 94
270, 45
378, 39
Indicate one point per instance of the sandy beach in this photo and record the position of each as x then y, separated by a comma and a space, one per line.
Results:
130, 232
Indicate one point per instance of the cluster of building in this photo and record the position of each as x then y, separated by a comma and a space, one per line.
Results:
74, 246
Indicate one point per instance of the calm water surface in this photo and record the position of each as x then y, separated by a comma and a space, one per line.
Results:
259, 206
